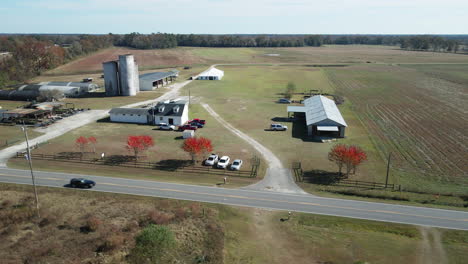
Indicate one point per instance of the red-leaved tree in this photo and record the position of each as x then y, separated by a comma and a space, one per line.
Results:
81, 143
347, 156
196, 146
93, 141
138, 144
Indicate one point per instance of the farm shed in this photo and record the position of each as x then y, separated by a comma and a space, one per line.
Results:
211, 74
25, 113
322, 117
171, 112
188, 134
83, 87
153, 80
130, 115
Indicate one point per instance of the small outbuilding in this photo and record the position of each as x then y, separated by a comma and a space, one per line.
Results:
322, 116
211, 74
153, 80
188, 134
130, 115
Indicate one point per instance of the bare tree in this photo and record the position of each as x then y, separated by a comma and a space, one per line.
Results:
50, 95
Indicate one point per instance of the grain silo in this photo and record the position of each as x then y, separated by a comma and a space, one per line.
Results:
129, 83
111, 78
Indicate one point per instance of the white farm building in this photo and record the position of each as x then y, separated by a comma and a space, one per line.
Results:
211, 74
153, 80
130, 115
169, 112
322, 117
172, 113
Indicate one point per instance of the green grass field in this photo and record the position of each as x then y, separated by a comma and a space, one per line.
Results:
246, 98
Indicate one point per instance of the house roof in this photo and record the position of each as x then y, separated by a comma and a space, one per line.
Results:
154, 76
169, 109
212, 72
129, 111
320, 108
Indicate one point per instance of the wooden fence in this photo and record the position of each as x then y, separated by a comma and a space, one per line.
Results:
146, 165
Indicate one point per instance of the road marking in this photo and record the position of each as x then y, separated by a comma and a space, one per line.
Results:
253, 199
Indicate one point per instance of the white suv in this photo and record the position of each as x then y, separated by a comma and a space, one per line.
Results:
211, 160
278, 127
223, 162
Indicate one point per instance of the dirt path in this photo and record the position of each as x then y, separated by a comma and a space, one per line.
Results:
431, 248
279, 246
277, 178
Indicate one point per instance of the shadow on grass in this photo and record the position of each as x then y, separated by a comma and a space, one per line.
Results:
172, 164
322, 177
118, 159
69, 155
282, 119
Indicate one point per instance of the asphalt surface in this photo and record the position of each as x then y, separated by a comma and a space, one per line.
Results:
252, 198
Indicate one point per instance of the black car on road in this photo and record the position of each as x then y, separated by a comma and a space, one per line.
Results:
81, 183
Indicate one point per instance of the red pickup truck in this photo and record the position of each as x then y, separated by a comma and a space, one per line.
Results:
187, 127
196, 120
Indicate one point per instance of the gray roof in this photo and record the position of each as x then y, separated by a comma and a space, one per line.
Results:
322, 109
169, 109
154, 76
129, 111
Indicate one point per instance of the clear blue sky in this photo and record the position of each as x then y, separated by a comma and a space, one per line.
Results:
235, 16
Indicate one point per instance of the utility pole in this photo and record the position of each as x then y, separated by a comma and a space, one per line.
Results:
388, 169
29, 158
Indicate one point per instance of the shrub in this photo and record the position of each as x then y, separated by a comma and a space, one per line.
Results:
180, 213
160, 218
93, 223
151, 244
112, 242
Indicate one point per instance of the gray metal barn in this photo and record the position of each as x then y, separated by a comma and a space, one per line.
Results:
322, 117
153, 80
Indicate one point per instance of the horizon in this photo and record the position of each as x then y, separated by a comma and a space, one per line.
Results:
210, 17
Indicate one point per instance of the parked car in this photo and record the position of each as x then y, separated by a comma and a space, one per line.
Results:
164, 126
223, 162
278, 127
200, 121
81, 183
187, 127
284, 101
236, 164
196, 124
211, 160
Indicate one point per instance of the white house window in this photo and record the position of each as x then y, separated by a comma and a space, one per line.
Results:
161, 118
131, 114
123, 114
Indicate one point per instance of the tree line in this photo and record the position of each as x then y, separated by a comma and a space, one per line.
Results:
430, 43
30, 55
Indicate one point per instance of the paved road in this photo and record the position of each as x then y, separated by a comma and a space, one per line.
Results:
259, 199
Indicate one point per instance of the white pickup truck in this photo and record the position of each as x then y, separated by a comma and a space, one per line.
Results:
278, 127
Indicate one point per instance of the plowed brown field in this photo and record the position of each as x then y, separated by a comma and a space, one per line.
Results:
420, 118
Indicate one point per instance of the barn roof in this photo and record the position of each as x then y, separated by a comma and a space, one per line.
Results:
168, 109
320, 108
154, 76
212, 72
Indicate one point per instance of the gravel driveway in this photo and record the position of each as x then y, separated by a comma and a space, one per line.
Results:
277, 178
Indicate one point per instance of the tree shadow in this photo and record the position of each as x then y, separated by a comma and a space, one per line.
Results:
321, 177
118, 159
68, 155
172, 164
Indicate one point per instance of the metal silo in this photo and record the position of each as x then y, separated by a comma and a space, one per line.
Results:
136, 78
128, 84
111, 78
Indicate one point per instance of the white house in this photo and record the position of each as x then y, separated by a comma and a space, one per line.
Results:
322, 117
130, 115
211, 74
170, 112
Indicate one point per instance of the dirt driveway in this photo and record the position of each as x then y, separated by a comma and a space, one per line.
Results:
277, 178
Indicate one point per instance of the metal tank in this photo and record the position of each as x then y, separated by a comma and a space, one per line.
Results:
111, 78
136, 78
127, 75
